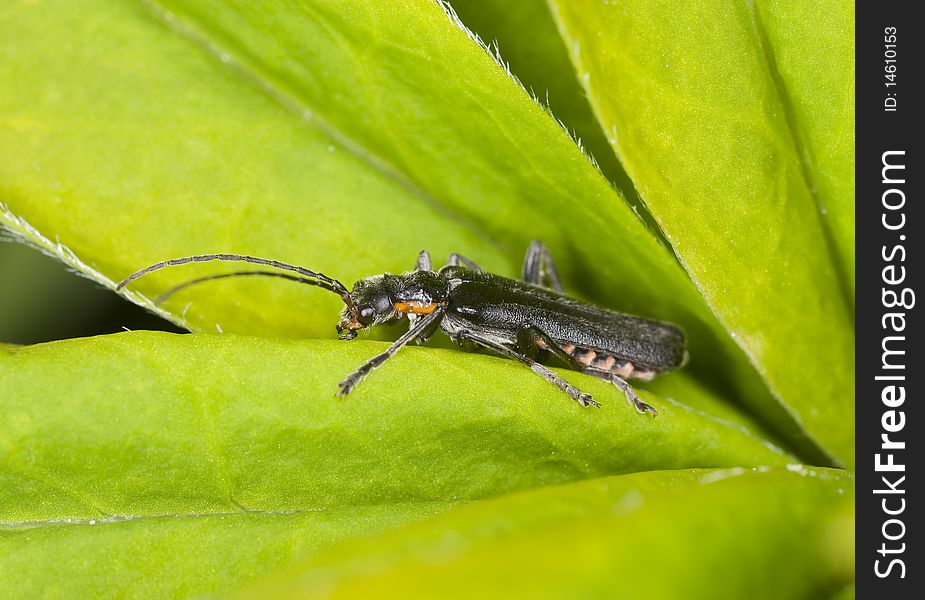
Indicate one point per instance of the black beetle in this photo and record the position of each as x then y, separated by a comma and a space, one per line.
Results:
525, 320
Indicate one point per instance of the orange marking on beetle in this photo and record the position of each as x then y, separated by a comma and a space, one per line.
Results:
643, 374
586, 357
416, 308
606, 362
624, 370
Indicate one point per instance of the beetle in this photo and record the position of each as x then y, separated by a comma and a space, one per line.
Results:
527, 320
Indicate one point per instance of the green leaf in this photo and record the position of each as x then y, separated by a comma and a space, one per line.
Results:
811, 50
390, 131
701, 123
201, 161
179, 446
177, 555
670, 534
346, 136
525, 36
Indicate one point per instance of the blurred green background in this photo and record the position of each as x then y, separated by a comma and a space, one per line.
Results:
41, 300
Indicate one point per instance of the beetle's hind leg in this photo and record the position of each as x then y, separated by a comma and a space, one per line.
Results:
539, 269
631, 397
571, 391
531, 339
621, 384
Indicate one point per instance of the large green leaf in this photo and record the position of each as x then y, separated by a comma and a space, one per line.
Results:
344, 137
174, 447
700, 119
671, 534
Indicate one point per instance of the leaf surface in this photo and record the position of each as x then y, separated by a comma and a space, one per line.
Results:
525, 36
391, 131
700, 120
811, 52
234, 449
780, 533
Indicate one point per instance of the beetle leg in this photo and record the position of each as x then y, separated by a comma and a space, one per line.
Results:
539, 269
528, 338
571, 391
423, 326
423, 261
621, 384
412, 319
631, 397
458, 259
425, 335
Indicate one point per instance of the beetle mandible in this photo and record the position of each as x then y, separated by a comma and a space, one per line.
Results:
525, 320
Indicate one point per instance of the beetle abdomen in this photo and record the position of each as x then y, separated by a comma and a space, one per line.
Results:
501, 305
598, 360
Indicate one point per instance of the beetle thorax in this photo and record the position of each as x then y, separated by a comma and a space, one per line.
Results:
386, 297
420, 293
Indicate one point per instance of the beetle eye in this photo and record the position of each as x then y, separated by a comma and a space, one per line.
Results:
366, 313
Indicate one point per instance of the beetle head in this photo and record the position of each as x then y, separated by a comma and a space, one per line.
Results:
373, 300
382, 298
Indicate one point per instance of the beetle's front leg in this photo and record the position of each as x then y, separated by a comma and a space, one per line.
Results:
426, 324
424, 335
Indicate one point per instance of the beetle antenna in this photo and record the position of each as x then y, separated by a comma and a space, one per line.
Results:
163, 297
309, 277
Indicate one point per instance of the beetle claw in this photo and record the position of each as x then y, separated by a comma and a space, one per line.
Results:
586, 400
346, 386
643, 407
